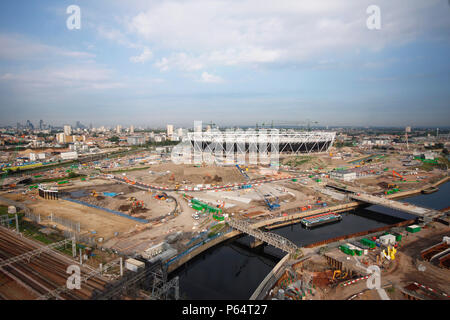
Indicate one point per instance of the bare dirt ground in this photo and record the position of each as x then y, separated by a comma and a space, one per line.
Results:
153, 208
171, 174
104, 223
139, 241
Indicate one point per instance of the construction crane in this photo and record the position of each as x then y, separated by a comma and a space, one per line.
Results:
271, 205
394, 173
211, 124
290, 123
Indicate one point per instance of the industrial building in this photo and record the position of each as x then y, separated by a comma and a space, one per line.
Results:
345, 175
136, 140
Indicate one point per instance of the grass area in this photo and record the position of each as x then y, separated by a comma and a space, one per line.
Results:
3, 210
69, 177
299, 160
430, 166
126, 170
216, 229
31, 230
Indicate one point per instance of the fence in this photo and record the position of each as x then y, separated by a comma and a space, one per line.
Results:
66, 222
79, 238
33, 217
38, 218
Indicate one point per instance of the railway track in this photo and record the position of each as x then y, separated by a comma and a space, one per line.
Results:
41, 274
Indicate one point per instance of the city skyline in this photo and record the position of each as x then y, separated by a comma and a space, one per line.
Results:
153, 63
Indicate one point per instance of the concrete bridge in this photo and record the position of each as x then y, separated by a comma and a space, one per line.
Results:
271, 238
425, 213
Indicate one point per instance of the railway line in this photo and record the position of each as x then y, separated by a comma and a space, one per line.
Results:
40, 275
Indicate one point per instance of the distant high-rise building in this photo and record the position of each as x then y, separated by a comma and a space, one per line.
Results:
67, 130
169, 130
118, 129
41, 124
29, 125
132, 129
180, 132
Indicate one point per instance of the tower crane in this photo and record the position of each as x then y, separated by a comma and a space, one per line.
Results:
290, 123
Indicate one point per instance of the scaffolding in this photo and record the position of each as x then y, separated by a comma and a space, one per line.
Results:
5, 220
152, 277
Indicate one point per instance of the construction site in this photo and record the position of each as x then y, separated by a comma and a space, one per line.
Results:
142, 206
406, 257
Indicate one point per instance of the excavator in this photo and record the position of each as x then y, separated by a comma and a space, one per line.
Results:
394, 173
339, 275
94, 193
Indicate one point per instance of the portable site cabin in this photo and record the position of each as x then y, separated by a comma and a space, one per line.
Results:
387, 239
413, 228
133, 264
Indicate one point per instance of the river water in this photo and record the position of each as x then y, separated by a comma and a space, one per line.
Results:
233, 271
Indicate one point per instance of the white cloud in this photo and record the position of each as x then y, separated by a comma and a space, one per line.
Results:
181, 61
144, 56
17, 47
205, 33
210, 78
74, 77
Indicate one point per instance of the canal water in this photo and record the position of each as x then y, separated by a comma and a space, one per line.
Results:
233, 271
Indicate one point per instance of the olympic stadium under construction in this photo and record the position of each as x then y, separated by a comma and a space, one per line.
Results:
289, 142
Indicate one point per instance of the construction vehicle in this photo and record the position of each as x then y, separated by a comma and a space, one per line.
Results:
243, 172
162, 196
271, 205
94, 193
138, 204
338, 274
394, 174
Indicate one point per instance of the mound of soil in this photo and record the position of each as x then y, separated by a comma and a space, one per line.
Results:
125, 207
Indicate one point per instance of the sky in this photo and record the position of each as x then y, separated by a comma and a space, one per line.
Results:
237, 62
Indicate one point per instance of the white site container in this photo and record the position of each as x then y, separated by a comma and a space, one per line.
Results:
133, 264
387, 239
